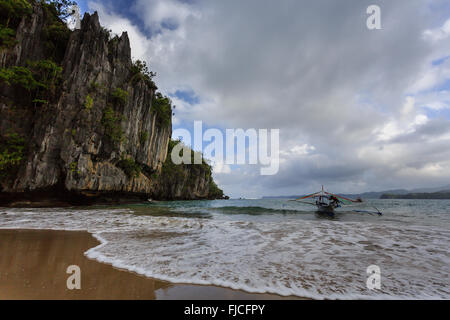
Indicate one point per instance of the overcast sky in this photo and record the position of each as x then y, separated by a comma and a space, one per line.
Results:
358, 109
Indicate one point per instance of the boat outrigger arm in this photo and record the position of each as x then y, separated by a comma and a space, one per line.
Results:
327, 202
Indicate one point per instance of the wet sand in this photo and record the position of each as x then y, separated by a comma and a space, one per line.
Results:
33, 265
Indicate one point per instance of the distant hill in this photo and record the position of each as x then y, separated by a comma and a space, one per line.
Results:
429, 190
375, 194
418, 195
387, 194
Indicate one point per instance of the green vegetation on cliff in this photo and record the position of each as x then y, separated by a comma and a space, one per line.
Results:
12, 11
130, 167
143, 137
7, 37
55, 31
112, 123
19, 76
170, 170
119, 96
88, 102
40, 79
140, 72
162, 107
12, 148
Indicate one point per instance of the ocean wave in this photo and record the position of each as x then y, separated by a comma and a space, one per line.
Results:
255, 210
286, 256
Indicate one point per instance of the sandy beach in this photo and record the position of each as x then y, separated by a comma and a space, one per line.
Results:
33, 265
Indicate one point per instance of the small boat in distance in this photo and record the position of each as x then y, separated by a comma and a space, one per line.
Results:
326, 202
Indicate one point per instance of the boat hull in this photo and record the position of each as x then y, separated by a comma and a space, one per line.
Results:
325, 208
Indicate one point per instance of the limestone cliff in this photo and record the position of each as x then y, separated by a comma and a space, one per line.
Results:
79, 120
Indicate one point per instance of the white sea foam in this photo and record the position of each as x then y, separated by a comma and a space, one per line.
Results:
320, 259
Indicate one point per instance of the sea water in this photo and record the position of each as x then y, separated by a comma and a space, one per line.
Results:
269, 245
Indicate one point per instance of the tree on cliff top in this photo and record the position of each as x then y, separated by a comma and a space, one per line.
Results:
63, 7
12, 11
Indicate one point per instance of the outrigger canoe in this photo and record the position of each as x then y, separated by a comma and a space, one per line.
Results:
327, 202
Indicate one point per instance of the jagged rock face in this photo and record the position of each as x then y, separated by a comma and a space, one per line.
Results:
76, 142
69, 142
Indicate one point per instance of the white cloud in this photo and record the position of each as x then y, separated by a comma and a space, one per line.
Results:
431, 77
156, 13
438, 34
298, 150
220, 167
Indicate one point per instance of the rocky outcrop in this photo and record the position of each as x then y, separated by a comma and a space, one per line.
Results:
97, 135
186, 181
